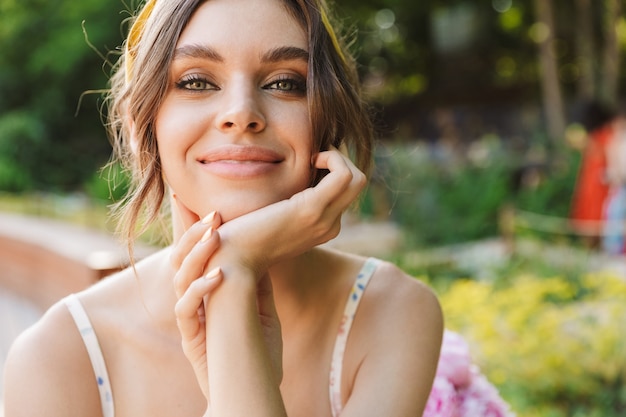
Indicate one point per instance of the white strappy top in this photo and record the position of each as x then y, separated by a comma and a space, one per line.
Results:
95, 353
336, 365
102, 378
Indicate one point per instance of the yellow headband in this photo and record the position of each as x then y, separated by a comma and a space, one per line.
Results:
331, 33
134, 36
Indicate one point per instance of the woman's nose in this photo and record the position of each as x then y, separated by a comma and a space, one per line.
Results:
240, 110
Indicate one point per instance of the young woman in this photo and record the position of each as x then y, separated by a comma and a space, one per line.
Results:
234, 110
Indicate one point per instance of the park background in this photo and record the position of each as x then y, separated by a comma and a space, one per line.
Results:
478, 104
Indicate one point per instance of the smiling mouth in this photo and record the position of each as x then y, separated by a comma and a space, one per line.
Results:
241, 155
240, 162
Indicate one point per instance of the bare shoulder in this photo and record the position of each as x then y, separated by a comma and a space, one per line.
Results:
397, 295
395, 349
47, 372
399, 312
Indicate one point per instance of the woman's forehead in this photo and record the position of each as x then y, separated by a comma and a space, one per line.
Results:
233, 23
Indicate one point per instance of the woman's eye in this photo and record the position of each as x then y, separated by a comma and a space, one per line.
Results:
288, 85
195, 84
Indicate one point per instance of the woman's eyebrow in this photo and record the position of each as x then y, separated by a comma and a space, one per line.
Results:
285, 53
197, 51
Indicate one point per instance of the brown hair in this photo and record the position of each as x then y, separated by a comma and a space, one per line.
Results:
337, 113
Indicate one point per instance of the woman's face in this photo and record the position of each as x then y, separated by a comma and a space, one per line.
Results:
233, 131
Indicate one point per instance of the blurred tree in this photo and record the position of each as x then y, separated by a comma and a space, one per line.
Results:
599, 50
586, 55
544, 34
611, 58
45, 66
463, 57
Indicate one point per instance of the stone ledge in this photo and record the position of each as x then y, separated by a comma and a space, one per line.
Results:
44, 260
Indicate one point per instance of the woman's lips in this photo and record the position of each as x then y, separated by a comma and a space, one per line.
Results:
239, 162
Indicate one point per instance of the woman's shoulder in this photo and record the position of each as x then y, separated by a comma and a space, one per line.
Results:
399, 310
396, 292
54, 330
394, 303
48, 364
56, 333
391, 292
47, 368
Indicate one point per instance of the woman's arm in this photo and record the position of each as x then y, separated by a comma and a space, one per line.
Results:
242, 330
243, 380
398, 337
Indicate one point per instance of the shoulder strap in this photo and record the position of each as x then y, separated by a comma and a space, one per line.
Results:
336, 365
95, 353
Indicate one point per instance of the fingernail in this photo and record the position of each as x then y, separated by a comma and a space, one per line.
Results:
213, 273
207, 235
209, 218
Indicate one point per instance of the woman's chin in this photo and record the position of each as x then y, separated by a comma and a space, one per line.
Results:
232, 202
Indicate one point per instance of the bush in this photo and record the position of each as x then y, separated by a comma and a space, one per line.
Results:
446, 198
553, 346
20, 133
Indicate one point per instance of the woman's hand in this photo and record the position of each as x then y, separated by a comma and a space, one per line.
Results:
193, 286
291, 227
190, 257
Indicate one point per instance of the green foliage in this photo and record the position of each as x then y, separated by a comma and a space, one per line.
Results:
553, 193
553, 346
442, 198
20, 133
45, 67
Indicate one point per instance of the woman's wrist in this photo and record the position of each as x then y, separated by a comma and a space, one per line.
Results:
237, 290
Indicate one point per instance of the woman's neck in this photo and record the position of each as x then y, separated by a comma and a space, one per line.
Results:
305, 286
299, 276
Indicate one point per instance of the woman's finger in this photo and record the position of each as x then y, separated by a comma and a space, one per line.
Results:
192, 266
342, 184
197, 232
187, 318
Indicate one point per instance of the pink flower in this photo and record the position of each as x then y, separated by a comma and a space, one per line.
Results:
482, 399
454, 360
443, 400
459, 388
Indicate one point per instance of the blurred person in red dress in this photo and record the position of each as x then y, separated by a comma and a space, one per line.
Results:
592, 188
